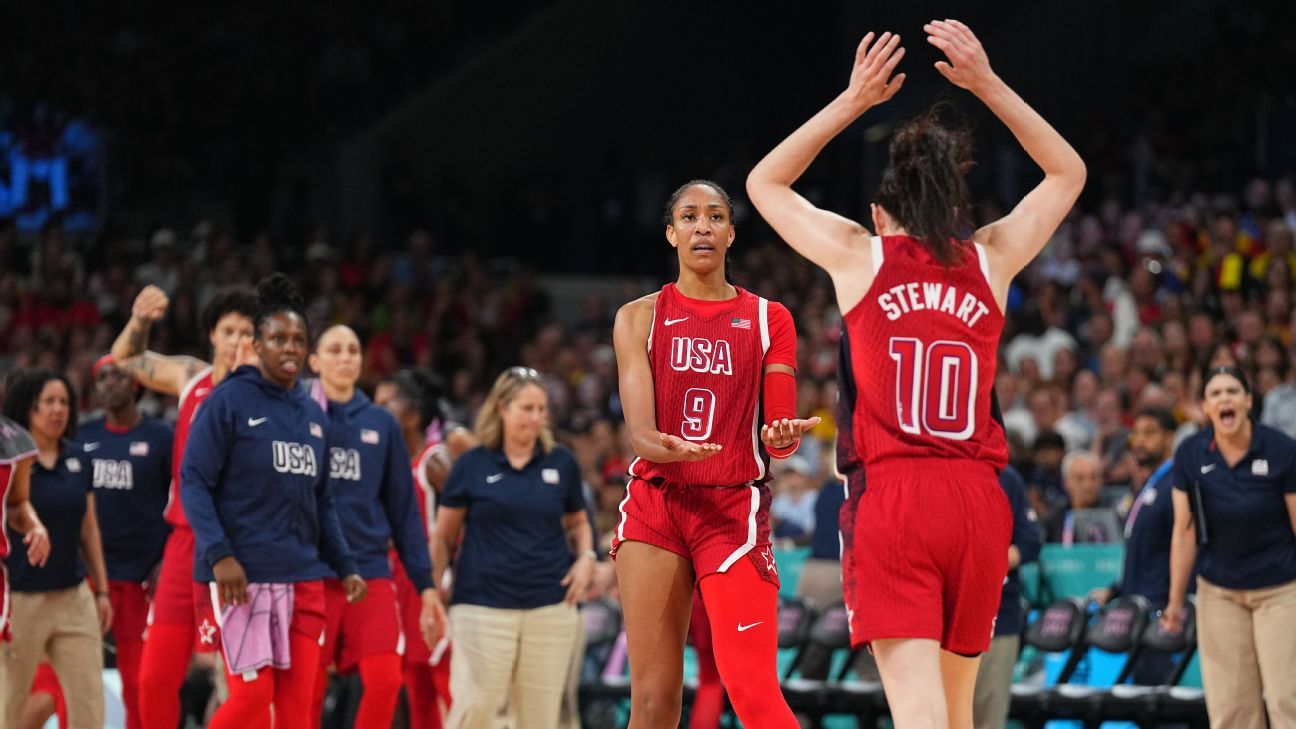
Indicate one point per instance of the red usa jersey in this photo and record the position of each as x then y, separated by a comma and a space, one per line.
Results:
424, 492
16, 445
923, 352
708, 362
191, 397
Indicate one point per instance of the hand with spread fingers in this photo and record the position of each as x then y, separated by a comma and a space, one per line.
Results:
687, 450
781, 434
870, 80
968, 66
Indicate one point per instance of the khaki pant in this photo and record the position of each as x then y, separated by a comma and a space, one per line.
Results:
994, 683
64, 626
519, 656
1248, 649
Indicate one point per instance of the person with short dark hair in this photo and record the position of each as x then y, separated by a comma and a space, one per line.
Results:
1148, 528
1235, 519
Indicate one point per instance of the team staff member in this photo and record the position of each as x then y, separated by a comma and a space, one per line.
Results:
370, 477
54, 612
254, 485
994, 675
518, 502
130, 456
1148, 529
173, 627
924, 308
1235, 518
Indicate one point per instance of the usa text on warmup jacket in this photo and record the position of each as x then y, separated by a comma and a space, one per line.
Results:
372, 485
254, 484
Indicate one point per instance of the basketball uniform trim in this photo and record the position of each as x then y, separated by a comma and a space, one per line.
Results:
751, 532
622, 509
762, 311
172, 491
427, 492
984, 262
6, 607
875, 246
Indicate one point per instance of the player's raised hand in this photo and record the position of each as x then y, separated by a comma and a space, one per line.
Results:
968, 66
870, 80
687, 450
783, 433
151, 304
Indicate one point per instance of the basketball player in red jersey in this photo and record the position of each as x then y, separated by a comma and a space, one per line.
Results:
172, 626
924, 311
707, 382
414, 397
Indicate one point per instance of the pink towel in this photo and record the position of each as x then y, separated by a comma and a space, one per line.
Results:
255, 635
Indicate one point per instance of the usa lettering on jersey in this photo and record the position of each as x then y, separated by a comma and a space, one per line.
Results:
704, 356
112, 474
295, 458
914, 296
344, 464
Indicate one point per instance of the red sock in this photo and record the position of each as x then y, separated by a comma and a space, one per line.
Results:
163, 666
381, 676
744, 632
129, 655
420, 692
708, 702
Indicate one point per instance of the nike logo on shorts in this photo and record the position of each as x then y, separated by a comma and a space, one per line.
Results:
742, 628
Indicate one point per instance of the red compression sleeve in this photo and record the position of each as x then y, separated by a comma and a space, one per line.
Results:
780, 402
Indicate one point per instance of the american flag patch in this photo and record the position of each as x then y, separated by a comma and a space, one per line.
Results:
139, 448
739, 323
368, 436
316, 430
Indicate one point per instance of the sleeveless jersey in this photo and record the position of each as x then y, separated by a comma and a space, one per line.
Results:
16, 444
707, 360
923, 352
424, 493
191, 397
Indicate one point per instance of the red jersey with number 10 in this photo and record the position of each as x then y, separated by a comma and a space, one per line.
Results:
191, 397
923, 345
708, 361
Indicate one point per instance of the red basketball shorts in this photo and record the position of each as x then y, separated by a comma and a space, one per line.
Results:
713, 527
929, 553
179, 600
370, 627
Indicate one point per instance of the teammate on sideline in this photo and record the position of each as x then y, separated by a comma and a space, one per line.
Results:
172, 625
255, 488
924, 311
432, 444
370, 478
707, 376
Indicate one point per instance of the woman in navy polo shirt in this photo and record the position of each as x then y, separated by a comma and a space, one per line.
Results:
55, 614
526, 559
254, 485
1235, 517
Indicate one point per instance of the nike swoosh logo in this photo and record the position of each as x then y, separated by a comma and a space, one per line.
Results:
669, 322
254, 422
91, 447
495, 478
742, 628
1209, 468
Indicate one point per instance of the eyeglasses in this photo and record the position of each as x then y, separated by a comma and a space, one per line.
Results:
524, 373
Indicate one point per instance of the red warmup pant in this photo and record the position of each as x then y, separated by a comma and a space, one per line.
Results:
288, 691
46, 682
708, 703
380, 677
743, 607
